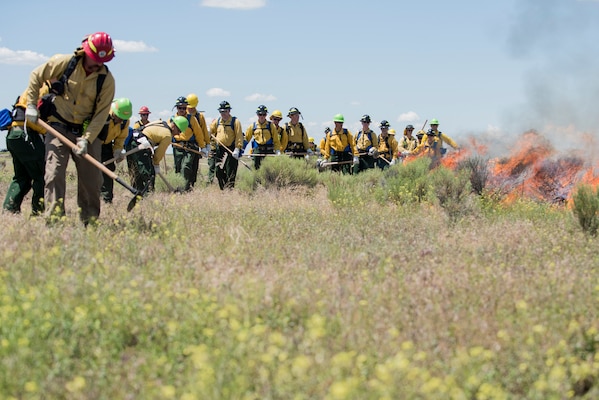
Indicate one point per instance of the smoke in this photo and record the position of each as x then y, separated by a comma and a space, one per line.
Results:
558, 39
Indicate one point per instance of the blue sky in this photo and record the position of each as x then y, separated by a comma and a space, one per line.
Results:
490, 69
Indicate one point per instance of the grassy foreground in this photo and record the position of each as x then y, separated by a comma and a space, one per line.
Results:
281, 294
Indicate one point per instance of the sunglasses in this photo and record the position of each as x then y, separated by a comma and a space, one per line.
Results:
262, 114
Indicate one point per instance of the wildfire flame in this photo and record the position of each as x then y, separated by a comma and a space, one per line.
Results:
533, 169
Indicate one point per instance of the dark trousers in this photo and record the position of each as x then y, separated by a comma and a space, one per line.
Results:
226, 168
342, 157
28, 164
141, 168
366, 162
107, 189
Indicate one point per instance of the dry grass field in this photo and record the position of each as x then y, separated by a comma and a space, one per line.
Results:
325, 292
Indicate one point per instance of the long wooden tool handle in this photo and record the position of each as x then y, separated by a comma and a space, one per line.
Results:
88, 157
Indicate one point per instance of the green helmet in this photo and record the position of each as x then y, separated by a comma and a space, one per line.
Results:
338, 118
434, 121
181, 122
122, 108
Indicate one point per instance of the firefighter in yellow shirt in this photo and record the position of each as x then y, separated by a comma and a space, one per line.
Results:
443, 138
367, 144
266, 138
340, 147
387, 147
26, 146
113, 134
430, 147
297, 145
226, 132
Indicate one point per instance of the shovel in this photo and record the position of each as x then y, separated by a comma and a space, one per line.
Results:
168, 185
96, 163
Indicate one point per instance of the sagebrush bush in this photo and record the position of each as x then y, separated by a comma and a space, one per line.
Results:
586, 208
452, 191
279, 173
406, 184
478, 168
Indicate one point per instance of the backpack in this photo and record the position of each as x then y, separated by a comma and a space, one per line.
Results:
232, 122
270, 141
46, 104
288, 129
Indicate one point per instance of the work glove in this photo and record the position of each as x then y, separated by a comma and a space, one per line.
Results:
236, 154
143, 143
405, 153
323, 162
371, 151
310, 152
157, 169
82, 144
356, 160
205, 150
392, 162
118, 155
278, 152
31, 113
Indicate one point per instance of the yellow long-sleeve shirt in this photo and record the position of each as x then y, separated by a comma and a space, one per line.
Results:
388, 147
430, 146
116, 133
224, 134
282, 134
297, 134
158, 135
262, 133
340, 142
22, 103
443, 138
77, 103
194, 130
365, 140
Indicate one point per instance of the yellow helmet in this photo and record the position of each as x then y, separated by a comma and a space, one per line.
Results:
192, 100
276, 114
391, 131
311, 139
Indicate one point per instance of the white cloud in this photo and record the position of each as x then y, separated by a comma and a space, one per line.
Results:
217, 92
234, 4
409, 116
260, 97
125, 46
20, 57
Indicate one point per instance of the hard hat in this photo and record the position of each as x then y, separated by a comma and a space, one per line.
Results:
192, 99
391, 131
410, 126
365, 118
261, 110
327, 130
311, 139
430, 132
434, 121
144, 110
338, 118
122, 108
276, 114
420, 133
293, 111
224, 105
384, 124
181, 101
98, 47
181, 122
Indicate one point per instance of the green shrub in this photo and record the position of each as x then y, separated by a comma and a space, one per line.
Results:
586, 208
452, 191
282, 172
405, 184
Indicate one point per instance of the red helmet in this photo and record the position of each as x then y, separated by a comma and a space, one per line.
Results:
99, 47
144, 110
